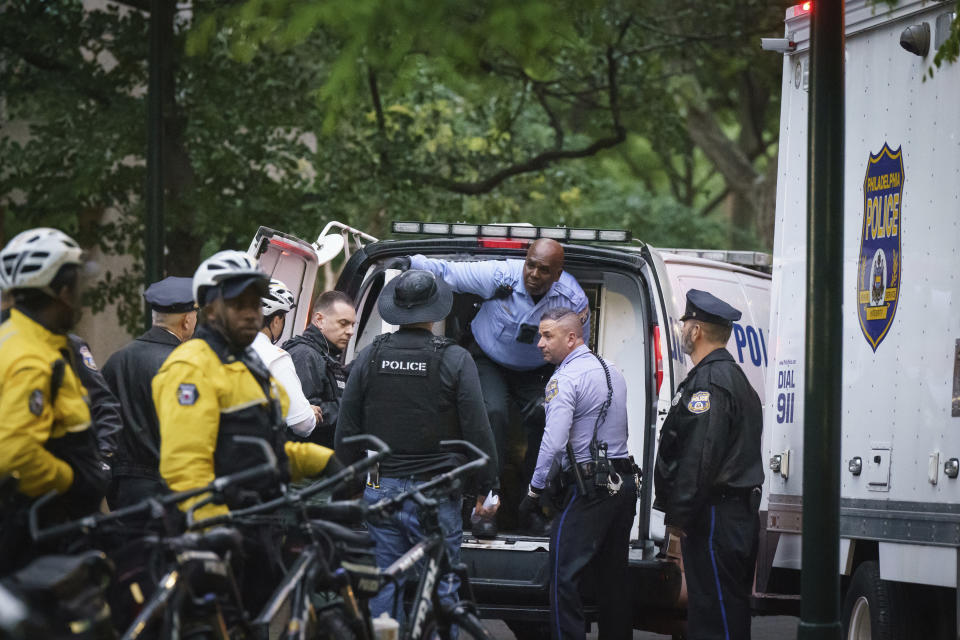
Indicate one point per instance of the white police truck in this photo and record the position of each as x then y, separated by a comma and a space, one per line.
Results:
636, 295
900, 491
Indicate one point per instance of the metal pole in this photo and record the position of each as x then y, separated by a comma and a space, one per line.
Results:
153, 222
820, 576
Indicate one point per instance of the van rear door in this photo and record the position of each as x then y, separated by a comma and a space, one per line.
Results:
294, 262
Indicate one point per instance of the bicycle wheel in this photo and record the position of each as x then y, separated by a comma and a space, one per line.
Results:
468, 626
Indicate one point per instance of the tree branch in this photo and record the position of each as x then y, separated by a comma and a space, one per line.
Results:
554, 121
710, 206
536, 163
375, 96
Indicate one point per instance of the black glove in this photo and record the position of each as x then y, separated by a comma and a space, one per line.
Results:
530, 508
402, 263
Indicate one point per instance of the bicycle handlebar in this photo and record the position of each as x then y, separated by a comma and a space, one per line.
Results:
154, 505
295, 498
445, 478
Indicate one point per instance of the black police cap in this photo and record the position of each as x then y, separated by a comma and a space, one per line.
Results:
707, 307
171, 295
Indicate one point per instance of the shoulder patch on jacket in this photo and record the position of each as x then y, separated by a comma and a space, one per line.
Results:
699, 402
187, 394
553, 388
87, 358
35, 402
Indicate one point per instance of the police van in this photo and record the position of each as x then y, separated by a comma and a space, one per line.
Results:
900, 430
636, 295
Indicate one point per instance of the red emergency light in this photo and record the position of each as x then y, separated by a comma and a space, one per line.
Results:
658, 355
802, 8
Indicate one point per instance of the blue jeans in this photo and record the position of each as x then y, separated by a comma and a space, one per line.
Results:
401, 532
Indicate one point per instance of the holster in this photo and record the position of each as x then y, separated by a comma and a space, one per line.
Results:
555, 491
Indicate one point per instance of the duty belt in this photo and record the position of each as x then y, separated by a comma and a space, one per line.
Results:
620, 465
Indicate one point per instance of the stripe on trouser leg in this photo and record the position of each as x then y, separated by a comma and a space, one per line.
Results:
556, 562
716, 574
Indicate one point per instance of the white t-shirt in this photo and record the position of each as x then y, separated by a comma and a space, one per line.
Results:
300, 417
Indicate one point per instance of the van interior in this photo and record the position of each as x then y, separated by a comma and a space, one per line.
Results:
617, 333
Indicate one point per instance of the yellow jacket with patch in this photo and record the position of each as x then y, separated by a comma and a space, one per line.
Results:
28, 420
204, 394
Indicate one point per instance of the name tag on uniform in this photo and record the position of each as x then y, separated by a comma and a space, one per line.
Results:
404, 367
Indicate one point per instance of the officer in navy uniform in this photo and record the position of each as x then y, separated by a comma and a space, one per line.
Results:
413, 389
709, 471
586, 409
129, 372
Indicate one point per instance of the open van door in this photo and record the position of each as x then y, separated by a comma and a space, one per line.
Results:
295, 262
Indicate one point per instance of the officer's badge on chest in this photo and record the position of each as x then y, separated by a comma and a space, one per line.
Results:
699, 402
552, 390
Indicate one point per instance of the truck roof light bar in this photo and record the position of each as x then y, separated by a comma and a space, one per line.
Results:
746, 258
520, 231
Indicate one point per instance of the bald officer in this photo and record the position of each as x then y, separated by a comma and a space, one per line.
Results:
516, 294
709, 471
586, 407
129, 372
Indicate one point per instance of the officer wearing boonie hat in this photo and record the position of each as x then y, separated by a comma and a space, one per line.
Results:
709, 471
129, 372
413, 389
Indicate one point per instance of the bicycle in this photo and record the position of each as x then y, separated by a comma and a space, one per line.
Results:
430, 617
298, 608
197, 595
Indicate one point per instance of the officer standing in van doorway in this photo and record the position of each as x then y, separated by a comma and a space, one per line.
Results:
709, 472
586, 408
413, 389
515, 293
129, 372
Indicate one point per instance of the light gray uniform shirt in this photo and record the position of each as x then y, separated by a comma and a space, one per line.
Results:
572, 400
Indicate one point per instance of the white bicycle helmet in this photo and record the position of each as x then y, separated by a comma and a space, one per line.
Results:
278, 299
222, 266
32, 259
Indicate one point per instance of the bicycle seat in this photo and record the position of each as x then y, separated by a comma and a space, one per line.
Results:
341, 533
62, 576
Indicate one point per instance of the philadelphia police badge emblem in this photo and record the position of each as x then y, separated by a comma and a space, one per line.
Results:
87, 358
35, 402
879, 266
552, 390
187, 394
699, 402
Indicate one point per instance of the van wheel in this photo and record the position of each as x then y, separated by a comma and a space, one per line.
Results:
875, 609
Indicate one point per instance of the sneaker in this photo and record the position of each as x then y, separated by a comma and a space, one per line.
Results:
483, 526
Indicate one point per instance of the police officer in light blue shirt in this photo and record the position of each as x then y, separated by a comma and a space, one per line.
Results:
586, 421
516, 294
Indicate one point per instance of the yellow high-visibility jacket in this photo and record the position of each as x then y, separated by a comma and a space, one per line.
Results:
204, 395
29, 421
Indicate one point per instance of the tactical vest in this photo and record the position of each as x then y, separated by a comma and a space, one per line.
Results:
404, 406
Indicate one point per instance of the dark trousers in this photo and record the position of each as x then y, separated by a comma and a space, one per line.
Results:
500, 386
593, 530
719, 558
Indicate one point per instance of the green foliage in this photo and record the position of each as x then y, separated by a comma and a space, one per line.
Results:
289, 114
